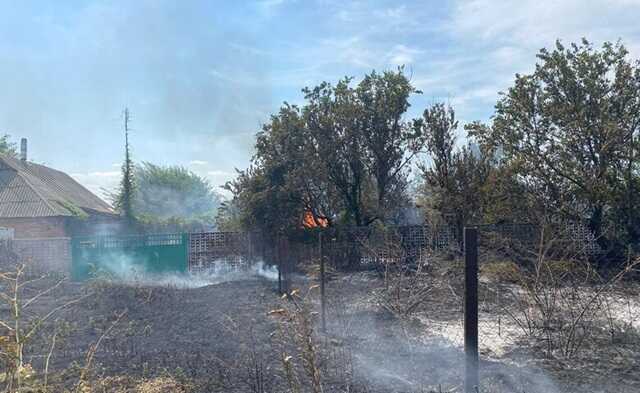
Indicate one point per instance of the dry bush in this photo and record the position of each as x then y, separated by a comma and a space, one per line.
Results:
558, 296
406, 279
161, 385
404, 289
30, 329
337, 346
83, 384
252, 364
297, 344
20, 325
504, 271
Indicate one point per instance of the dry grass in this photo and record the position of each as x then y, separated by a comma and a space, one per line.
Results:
557, 296
125, 384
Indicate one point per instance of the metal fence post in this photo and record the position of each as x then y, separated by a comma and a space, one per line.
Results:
322, 280
278, 255
471, 381
287, 267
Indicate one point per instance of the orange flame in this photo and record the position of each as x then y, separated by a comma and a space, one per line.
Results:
310, 221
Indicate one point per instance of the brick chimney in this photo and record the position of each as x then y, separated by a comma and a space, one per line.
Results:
23, 149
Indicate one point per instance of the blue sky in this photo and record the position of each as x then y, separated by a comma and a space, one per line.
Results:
200, 77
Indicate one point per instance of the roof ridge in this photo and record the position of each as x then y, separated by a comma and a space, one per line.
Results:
7, 160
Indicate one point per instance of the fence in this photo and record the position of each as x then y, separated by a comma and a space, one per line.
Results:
127, 255
366, 248
362, 247
42, 255
156, 253
345, 248
161, 253
568, 234
351, 248
233, 248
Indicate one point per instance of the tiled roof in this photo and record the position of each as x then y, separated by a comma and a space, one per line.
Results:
32, 190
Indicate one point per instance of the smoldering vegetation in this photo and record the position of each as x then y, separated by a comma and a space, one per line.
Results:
391, 329
121, 269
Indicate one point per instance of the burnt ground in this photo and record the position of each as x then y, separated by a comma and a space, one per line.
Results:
221, 338
190, 333
427, 349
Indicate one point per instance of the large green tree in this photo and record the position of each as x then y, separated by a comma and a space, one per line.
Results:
439, 125
362, 141
391, 141
173, 193
284, 179
343, 155
570, 130
455, 181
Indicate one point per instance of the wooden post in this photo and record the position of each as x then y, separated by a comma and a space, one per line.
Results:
322, 280
471, 381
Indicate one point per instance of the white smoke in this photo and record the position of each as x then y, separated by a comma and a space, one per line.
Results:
125, 270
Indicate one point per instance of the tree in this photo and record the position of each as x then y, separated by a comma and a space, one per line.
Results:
282, 182
333, 117
466, 185
570, 131
439, 126
173, 192
7, 147
228, 217
123, 199
342, 157
471, 172
454, 181
391, 142
362, 141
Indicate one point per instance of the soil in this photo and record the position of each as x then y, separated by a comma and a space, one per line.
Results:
208, 338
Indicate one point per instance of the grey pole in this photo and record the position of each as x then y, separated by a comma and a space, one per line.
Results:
322, 280
278, 253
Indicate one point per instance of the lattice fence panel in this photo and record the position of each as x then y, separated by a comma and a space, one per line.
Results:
209, 249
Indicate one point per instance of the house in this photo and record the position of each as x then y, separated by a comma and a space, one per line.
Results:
41, 206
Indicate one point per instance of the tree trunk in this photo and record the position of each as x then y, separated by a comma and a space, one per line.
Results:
596, 227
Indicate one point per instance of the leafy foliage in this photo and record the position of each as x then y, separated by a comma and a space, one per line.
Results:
8, 147
564, 142
461, 186
344, 156
228, 217
123, 199
570, 131
165, 193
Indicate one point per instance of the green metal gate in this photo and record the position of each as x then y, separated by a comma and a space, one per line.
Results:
124, 256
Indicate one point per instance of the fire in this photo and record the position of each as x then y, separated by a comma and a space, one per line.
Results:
311, 221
